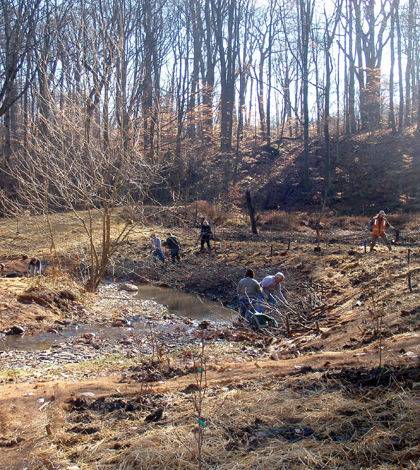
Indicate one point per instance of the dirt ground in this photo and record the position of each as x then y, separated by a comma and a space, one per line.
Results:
336, 386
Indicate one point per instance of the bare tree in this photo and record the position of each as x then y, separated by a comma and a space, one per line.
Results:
17, 41
68, 172
226, 23
306, 12
331, 24
370, 42
391, 118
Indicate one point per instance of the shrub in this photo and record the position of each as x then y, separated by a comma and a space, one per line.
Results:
280, 220
348, 222
215, 213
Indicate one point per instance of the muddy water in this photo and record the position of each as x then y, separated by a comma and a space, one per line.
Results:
177, 302
186, 305
46, 340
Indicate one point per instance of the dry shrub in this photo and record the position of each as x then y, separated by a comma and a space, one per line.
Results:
403, 220
349, 222
187, 215
280, 220
215, 213
160, 216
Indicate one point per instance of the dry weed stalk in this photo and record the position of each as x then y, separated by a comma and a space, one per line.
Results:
377, 313
199, 395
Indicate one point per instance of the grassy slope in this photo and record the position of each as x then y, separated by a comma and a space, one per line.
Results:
314, 399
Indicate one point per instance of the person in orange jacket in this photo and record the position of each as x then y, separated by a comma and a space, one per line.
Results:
377, 226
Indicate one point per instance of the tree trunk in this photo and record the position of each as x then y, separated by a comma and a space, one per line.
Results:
391, 73
306, 15
251, 212
352, 75
400, 81
410, 64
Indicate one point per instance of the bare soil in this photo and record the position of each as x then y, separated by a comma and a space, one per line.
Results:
337, 386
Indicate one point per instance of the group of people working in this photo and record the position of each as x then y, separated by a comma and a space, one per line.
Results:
251, 293
173, 244
253, 296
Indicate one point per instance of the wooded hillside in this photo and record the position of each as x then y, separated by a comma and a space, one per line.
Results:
126, 102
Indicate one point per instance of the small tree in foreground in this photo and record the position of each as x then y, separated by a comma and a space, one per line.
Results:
65, 169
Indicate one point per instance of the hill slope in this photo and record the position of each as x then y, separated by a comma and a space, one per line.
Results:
338, 389
370, 171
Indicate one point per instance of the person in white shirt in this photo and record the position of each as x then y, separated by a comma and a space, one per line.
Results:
271, 288
156, 248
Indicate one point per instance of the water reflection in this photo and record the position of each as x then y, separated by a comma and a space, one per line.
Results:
42, 341
186, 305
179, 303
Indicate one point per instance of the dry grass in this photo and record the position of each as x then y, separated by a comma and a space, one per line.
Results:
279, 220
349, 222
31, 236
315, 421
295, 423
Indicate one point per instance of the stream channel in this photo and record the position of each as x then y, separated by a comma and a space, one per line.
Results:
177, 302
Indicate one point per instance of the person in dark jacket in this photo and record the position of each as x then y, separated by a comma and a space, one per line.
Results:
205, 235
173, 244
34, 267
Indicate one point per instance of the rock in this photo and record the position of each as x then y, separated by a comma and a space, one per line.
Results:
13, 274
155, 416
128, 287
89, 336
15, 330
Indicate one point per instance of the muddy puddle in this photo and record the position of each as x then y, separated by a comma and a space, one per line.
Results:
186, 305
177, 302
42, 341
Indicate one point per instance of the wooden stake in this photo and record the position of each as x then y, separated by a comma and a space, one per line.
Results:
409, 256
287, 321
409, 282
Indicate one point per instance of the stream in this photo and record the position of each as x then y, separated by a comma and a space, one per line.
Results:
180, 304
186, 305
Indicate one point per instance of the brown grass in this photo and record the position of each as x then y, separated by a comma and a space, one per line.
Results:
279, 220
316, 420
305, 422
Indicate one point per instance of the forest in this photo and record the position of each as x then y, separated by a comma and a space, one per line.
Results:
126, 102
287, 125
